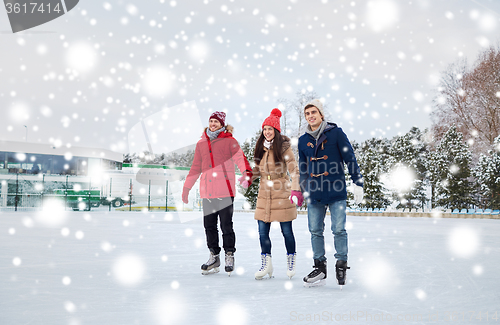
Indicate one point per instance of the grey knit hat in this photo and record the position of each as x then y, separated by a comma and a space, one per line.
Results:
316, 103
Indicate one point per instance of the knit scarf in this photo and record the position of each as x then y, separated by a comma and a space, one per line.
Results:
316, 134
268, 144
213, 135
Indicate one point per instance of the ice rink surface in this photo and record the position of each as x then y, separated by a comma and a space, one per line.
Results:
144, 268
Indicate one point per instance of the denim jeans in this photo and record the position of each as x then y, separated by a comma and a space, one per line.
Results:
265, 241
316, 219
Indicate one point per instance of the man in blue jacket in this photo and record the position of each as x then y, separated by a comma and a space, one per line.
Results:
323, 151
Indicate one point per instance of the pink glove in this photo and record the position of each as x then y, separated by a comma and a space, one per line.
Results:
244, 181
185, 194
298, 195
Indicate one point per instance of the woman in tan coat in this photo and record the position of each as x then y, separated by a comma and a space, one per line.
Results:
273, 157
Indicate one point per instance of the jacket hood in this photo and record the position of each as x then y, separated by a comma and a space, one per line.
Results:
330, 125
287, 143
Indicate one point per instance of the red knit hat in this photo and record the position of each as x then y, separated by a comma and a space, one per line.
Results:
219, 116
273, 119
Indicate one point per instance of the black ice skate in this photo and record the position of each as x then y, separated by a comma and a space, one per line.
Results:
229, 262
212, 265
340, 270
317, 277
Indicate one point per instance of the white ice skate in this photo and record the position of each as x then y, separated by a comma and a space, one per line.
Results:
290, 271
266, 268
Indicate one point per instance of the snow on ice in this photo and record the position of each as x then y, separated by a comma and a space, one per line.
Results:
128, 270
463, 242
149, 271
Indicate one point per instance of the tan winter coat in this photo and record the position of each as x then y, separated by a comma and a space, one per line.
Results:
273, 201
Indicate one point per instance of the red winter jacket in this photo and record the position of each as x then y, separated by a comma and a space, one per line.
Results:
215, 161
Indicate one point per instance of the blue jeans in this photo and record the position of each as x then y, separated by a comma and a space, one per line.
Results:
316, 219
265, 241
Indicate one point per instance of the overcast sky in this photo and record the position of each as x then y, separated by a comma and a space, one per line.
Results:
87, 78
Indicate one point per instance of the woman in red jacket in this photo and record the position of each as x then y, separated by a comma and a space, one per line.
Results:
215, 155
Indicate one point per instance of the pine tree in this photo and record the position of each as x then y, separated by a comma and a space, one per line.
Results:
408, 152
371, 157
487, 173
252, 191
350, 196
433, 174
453, 159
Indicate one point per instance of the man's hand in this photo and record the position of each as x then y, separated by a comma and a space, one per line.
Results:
185, 194
358, 194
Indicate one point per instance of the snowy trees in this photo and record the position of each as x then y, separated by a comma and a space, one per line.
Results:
372, 157
487, 173
172, 159
293, 122
394, 171
252, 191
407, 165
470, 99
467, 106
452, 159
401, 171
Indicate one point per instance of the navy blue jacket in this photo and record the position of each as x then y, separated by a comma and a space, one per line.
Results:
322, 165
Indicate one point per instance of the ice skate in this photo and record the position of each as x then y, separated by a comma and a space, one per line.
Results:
290, 271
229, 262
317, 277
212, 265
266, 268
340, 270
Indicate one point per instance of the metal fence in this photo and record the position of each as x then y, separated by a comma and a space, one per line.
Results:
21, 192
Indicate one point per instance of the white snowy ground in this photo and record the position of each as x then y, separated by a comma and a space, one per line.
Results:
144, 268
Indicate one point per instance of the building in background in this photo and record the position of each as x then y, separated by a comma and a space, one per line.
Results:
36, 158
32, 172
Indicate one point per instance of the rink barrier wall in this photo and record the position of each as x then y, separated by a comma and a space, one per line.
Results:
406, 214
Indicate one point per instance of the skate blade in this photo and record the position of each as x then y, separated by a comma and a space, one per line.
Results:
211, 271
319, 283
264, 278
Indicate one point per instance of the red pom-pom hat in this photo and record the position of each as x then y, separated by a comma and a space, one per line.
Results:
273, 120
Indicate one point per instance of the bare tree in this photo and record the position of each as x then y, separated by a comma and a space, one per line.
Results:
485, 82
470, 99
285, 117
296, 124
